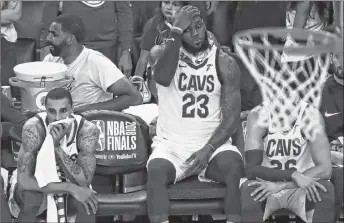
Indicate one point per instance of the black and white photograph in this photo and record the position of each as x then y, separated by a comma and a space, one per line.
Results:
172, 111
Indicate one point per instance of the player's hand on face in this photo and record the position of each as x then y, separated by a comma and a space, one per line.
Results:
310, 185
198, 160
264, 189
58, 132
87, 197
183, 17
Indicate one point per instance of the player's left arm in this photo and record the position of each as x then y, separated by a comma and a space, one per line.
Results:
230, 100
82, 170
320, 150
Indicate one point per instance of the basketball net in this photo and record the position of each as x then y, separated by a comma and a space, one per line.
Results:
287, 74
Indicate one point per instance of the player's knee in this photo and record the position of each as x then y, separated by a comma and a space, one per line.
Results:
230, 164
337, 176
329, 194
159, 171
247, 202
31, 201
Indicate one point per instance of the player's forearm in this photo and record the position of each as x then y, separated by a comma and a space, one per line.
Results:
142, 64
223, 132
253, 171
230, 108
290, 185
321, 171
166, 65
30, 183
117, 104
72, 170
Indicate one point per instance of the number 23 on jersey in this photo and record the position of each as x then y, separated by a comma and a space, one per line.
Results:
195, 106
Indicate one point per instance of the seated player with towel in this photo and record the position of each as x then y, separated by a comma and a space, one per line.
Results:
56, 163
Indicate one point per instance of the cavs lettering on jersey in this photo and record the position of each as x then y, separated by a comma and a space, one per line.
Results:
287, 150
189, 109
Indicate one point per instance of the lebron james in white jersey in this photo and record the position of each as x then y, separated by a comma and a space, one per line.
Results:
199, 113
286, 170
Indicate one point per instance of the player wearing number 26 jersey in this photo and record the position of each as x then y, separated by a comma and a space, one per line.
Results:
286, 170
287, 150
198, 87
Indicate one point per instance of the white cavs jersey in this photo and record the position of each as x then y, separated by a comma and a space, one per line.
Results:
287, 150
189, 109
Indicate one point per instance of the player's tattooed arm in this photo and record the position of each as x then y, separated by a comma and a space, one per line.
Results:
230, 100
82, 170
31, 143
164, 59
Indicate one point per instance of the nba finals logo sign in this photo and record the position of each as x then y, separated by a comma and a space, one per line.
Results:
117, 140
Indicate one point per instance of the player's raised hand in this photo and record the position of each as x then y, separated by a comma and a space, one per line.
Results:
183, 17
58, 132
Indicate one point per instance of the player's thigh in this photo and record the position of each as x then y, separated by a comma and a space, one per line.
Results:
329, 193
225, 164
164, 162
161, 168
30, 199
247, 201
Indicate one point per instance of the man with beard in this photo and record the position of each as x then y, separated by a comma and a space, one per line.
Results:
75, 162
200, 111
98, 83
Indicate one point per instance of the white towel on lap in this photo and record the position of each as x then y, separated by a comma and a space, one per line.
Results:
46, 171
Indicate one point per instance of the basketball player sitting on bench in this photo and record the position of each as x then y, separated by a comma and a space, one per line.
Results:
286, 169
77, 168
199, 112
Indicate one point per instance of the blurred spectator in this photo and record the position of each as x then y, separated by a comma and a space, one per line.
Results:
11, 12
308, 15
249, 15
332, 109
98, 83
142, 12
222, 20
5, 211
156, 31
11, 115
108, 23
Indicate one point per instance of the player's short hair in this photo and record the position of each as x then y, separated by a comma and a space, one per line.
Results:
58, 94
72, 24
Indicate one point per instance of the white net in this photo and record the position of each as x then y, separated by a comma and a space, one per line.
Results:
288, 73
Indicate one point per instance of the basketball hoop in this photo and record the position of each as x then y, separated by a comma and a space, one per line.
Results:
287, 74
